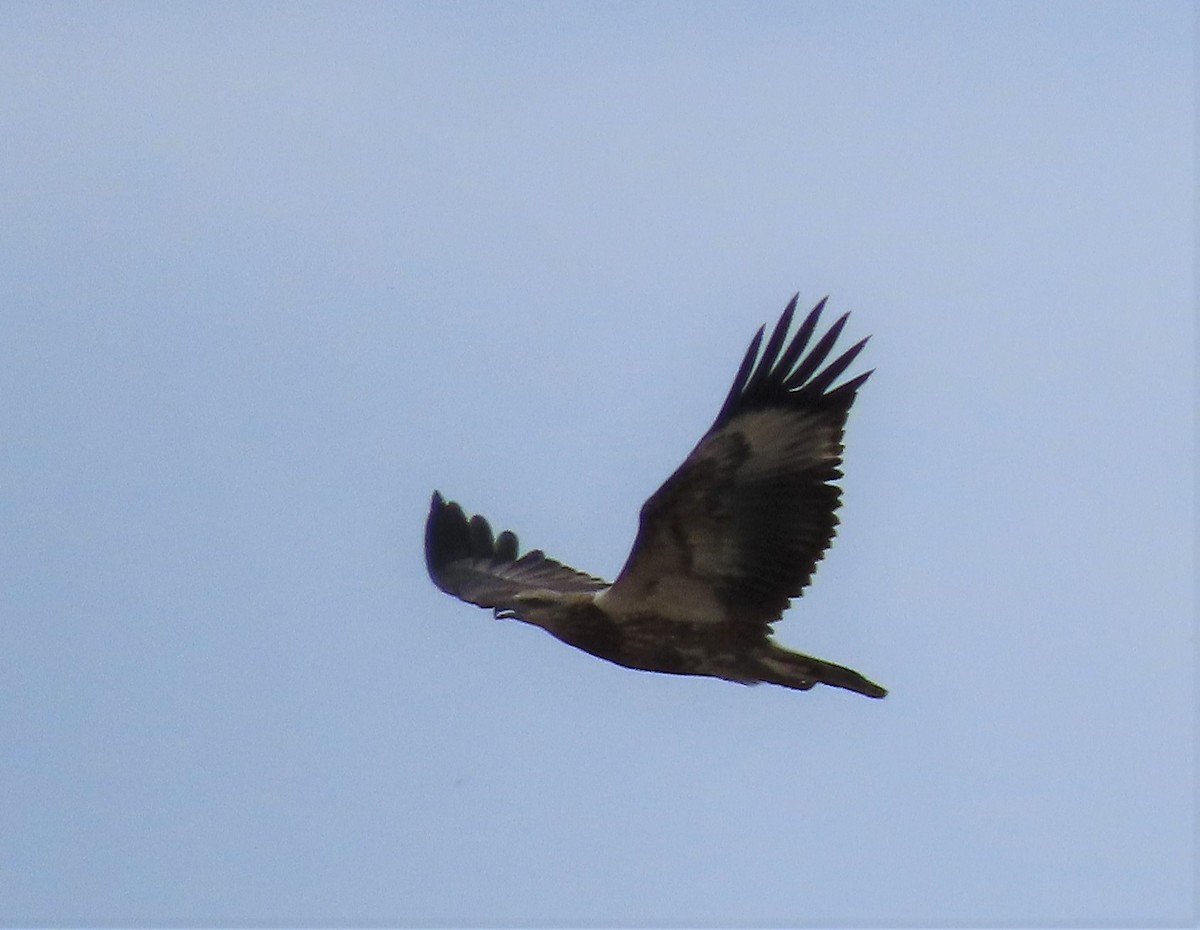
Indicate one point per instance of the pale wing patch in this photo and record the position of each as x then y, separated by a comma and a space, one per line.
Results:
756, 448
783, 441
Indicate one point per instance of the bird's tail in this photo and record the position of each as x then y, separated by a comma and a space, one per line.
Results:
794, 670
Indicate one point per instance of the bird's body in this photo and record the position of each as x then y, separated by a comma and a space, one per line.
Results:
735, 652
722, 546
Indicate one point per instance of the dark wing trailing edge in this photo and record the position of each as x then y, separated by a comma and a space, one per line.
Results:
738, 529
464, 559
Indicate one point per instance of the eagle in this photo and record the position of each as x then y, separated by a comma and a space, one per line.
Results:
722, 546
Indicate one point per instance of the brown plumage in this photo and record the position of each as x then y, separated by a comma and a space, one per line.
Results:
722, 546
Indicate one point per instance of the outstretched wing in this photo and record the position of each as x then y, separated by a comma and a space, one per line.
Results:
739, 528
465, 560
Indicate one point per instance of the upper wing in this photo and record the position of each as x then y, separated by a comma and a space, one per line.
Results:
738, 529
465, 560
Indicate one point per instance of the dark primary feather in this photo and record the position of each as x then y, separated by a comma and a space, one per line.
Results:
465, 560
778, 380
752, 509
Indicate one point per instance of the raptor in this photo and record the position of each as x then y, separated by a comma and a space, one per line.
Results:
722, 546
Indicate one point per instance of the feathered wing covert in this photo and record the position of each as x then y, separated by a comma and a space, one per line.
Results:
721, 547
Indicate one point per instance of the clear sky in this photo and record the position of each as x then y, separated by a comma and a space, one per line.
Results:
271, 273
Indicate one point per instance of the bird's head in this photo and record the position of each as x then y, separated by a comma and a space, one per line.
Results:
543, 607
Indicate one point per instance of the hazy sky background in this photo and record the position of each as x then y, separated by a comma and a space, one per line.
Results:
271, 273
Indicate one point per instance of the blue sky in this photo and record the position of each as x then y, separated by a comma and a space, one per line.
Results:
271, 274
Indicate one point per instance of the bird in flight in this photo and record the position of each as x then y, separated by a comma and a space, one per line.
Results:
722, 546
